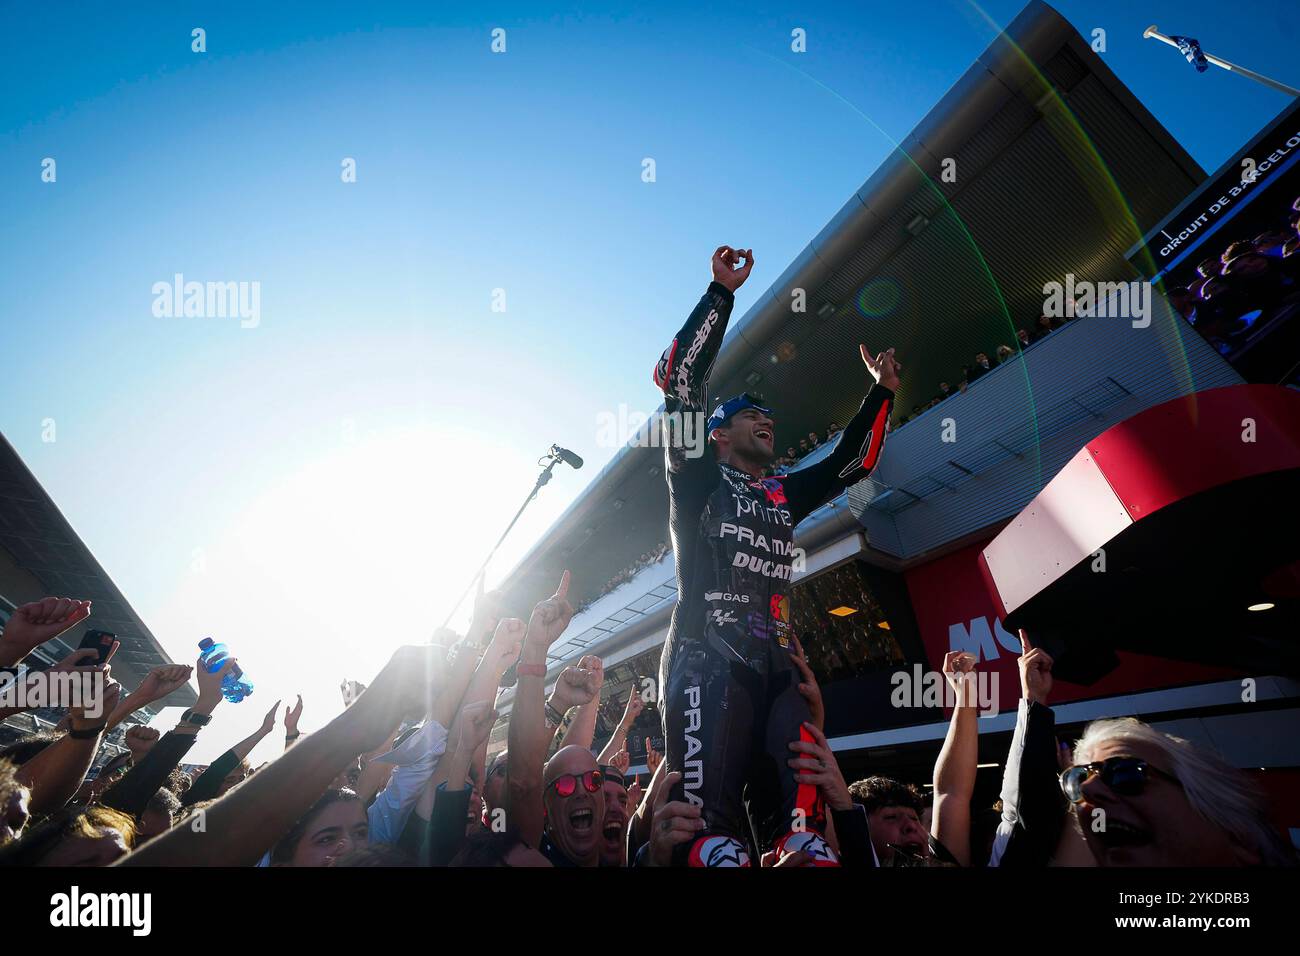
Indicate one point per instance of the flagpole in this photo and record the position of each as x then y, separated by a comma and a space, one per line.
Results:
1152, 33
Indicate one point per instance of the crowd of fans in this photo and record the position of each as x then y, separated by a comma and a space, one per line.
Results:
402, 776
984, 362
653, 556
842, 645
981, 364
806, 446
1246, 283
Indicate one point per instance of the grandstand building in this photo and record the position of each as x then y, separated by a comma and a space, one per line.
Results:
1059, 170
41, 555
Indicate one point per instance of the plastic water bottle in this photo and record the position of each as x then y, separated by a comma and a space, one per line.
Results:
234, 686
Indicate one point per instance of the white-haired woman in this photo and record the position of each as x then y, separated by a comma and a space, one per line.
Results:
1147, 798
1140, 797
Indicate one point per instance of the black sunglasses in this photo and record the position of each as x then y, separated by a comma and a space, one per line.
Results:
1124, 775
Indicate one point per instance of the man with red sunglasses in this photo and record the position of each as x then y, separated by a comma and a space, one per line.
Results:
730, 698
574, 799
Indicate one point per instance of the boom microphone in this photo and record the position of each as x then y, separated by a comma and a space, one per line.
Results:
568, 457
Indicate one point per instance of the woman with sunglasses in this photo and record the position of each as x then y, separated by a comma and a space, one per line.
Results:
1140, 797
1147, 798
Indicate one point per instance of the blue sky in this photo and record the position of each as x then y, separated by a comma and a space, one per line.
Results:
313, 490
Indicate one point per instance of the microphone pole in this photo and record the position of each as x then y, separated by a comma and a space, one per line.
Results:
552, 458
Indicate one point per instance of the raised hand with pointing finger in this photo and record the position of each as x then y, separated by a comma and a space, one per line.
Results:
883, 368
620, 762
1035, 671
653, 758
291, 717
549, 618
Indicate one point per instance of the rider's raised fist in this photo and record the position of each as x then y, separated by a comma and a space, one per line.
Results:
726, 269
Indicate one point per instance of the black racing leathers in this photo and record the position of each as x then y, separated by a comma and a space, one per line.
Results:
730, 703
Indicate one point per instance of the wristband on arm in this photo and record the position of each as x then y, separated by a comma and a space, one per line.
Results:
553, 716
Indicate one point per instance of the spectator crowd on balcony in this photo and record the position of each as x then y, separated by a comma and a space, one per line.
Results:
653, 556
1247, 282
805, 446
984, 362
402, 777
981, 364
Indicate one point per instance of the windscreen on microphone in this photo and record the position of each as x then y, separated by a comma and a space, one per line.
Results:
568, 457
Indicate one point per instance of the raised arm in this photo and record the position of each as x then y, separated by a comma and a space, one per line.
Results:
528, 732
157, 684
502, 651
208, 784
618, 741
462, 658
55, 774
133, 792
954, 771
291, 717
857, 450
80, 661
1033, 807
638, 825
465, 654
246, 822
414, 781
375, 776
31, 625
682, 373
581, 732
245, 746
451, 793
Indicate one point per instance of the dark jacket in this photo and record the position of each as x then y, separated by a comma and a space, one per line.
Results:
1033, 806
133, 792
